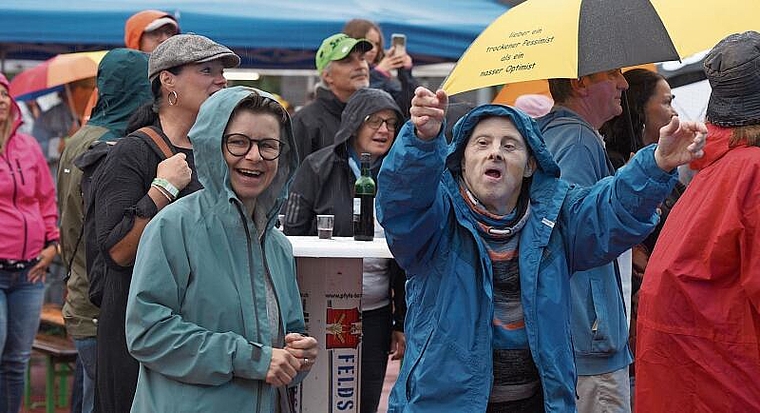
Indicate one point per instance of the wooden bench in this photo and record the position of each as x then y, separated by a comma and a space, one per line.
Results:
60, 354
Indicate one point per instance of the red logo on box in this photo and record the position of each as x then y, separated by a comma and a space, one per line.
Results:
344, 328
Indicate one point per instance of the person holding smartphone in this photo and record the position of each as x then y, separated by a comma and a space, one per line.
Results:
382, 62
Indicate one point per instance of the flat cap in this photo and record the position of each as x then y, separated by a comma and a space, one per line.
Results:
182, 49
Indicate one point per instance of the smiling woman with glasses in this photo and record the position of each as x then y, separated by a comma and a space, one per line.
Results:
324, 184
219, 246
133, 183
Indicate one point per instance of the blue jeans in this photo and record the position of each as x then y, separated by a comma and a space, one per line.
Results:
76, 388
20, 306
88, 355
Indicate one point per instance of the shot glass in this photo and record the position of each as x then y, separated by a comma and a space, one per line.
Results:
325, 226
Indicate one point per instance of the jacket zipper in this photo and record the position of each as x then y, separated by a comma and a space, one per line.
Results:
20, 173
259, 384
15, 204
282, 320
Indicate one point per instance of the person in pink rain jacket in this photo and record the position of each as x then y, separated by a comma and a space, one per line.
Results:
28, 244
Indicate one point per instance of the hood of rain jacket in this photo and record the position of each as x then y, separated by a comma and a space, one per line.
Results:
213, 172
119, 71
197, 316
363, 103
28, 214
324, 183
122, 88
448, 362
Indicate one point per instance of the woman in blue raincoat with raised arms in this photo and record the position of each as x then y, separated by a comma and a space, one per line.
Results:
214, 313
489, 235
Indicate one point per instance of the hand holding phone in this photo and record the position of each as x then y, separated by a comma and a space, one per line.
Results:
398, 42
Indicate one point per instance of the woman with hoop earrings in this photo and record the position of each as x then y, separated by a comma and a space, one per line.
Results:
145, 171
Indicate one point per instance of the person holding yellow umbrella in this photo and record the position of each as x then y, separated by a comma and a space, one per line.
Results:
598, 312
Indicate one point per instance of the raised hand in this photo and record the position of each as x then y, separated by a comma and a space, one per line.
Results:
428, 111
175, 170
680, 143
392, 61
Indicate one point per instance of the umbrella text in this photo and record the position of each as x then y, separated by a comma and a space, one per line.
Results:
543, 40
518, 68
503, 46
509, 69
492, 72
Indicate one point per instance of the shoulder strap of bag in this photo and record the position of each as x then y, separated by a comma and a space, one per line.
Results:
158, 140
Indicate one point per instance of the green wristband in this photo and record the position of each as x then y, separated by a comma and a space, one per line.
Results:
163, 183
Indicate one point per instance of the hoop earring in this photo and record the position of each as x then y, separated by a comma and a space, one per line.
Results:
172, 98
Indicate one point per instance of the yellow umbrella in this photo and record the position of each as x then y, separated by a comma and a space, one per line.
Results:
543, 39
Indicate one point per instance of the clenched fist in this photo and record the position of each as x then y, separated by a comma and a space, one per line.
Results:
175, 170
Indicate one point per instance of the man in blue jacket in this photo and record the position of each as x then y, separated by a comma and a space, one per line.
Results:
599, 322
489, 236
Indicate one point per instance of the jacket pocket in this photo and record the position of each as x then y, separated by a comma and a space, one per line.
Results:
607, 334
409, 384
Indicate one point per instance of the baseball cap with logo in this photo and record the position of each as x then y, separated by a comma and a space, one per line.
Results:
337, 47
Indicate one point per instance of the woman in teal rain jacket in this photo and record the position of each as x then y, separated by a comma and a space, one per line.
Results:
214, 313
446, 210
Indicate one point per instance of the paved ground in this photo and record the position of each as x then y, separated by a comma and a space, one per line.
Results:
390, 379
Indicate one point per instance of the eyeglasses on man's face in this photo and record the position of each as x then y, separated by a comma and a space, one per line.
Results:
374, 122
238, 144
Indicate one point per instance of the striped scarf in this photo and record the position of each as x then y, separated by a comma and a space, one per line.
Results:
515, 375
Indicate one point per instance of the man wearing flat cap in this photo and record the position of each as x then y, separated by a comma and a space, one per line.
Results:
342, 70
698, 346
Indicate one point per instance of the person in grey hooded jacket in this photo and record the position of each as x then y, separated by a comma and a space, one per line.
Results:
214, 313
324, 184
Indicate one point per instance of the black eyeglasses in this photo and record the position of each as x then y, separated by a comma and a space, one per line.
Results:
374, 122
238, 144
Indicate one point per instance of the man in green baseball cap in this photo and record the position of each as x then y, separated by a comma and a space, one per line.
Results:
342, 71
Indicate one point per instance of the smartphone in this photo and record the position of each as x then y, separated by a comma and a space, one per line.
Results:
399, 42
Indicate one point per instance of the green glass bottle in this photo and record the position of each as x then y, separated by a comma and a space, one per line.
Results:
364, 202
